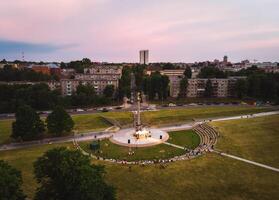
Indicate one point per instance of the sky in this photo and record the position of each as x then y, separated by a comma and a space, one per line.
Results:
115, 30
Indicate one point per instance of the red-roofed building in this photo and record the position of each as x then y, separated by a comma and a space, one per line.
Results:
41, 69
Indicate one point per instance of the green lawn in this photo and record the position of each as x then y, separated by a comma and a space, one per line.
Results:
123, 118
95, 122
187, 138
110, 150
5, 131
174, 116
256, 139
207, 177
196, 100
90, 122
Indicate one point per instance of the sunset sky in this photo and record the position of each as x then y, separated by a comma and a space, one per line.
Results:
115, 30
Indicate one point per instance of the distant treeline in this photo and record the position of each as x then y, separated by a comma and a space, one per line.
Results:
12, 74
258, 84
40, 97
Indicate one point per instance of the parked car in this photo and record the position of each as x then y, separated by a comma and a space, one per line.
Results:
79, 110
100, 109
105, 110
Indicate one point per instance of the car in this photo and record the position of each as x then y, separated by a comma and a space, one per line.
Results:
172, 105
79, 110
118, 107
100, 109
105, 110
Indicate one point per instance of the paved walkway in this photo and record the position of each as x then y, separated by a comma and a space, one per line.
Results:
248, 161
234, 157
57, 140
174, 145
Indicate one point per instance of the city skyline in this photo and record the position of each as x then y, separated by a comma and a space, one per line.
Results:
114, 31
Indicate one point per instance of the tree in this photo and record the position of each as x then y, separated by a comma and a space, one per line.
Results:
212, 72
164, 88
28, 124
208, 89
188, 72
124, 88
59, 121
138, 70
183, 88
168, 66
156, 85
10, 183
241, 88
8, 73
67, 174
84, 96
109, 91
63, 65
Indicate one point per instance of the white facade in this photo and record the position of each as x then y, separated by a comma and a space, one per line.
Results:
144, 57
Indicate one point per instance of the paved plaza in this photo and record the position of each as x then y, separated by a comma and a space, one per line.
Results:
126, 137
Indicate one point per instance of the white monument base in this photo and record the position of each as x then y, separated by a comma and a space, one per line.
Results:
126, 137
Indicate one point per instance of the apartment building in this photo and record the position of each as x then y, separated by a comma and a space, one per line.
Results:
97, 76
221, 87
175, 77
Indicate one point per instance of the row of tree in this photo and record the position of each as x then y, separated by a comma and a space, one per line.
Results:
156, 86
29, 126
255, 83
260, 86
40, 97
61, 174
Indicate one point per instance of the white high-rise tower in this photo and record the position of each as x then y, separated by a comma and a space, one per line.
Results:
144, 56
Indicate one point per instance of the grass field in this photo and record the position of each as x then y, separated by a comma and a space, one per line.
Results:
110, 150
256, 139
172, 116
86, 123
187, 138
123, 118
23, 160
196, 100
83, 123
5, 131
206, 177
95, 122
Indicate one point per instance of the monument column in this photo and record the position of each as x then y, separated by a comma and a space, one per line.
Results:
138, 125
